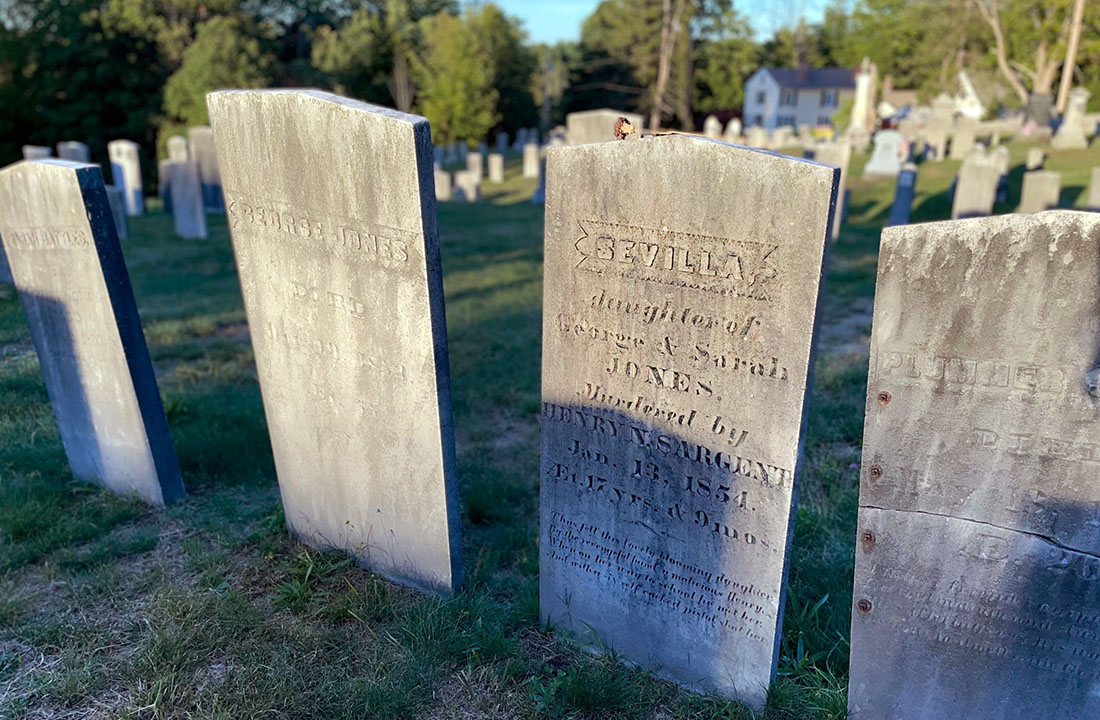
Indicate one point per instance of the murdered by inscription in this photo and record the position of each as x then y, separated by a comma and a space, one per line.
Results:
677, 342
979, 525
342, 282
57, 228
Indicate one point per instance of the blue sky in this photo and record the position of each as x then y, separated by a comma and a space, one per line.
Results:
553, 20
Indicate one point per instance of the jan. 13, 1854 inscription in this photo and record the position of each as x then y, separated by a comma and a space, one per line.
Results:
977, 589
682, 281
332, 211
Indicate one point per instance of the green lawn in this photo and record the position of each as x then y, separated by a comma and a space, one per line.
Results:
207, 610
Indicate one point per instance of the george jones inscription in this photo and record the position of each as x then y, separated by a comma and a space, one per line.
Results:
342, 285
978, 559
680, 303
57, 227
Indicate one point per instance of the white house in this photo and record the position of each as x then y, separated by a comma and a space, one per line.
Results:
775, 97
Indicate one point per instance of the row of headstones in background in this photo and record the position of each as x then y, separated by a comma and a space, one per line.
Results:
185, 188
79, 152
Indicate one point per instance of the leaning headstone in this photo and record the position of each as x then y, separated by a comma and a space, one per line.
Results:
496, 168
177, 149
886, 156
903, 195
1071, 133
596, 126
962, 139
838, 154
36, 152
975, 187
712, 127
733, 131
977, 580
126, 172
65, 256
117, 203
203, 154
188, 213
73, 150
1035, 158
673, 307
475, 164
530, 160
442, 185
467, 186
1093, 200
1040, 191
343, 287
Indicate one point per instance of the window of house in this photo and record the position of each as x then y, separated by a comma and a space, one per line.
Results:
824, 120
761, 97
759, 120
789, 97
828, 98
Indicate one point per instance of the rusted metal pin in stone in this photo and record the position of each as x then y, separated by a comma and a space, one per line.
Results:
864, 605
884, 398
868, 537
876, 471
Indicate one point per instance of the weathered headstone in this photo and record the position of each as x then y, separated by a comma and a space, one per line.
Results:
977, 581
678, 332
756, 136
496, 168
65, 256
475, 164
126, 173
595, 126
1040, 191
1035, 158
886, 156
1071, 133
712, 127
975, 187
188, 213
467, 186
903, 195
531, 160
73, 150
962, 139
177, 149
203, 154
342, 282
36, 152
117, 203
838, 154
733, 131
1093, 200
939, 127
442, 185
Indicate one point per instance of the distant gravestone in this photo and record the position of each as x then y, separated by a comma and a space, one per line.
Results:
204, 155
342, 282
595, 126
975, 187
962, 139
56, 226
1003, 159
75, 151
671, 303
1071, 133
36, 152
475, 164
530, 160
733, 131
521, 139
839, 155
539, 196
502, 142
117, 203
903, 195
712, 127
1040, 191
935, 137
977, 580
442, 185
496, 168
909, 129
886, 156
1035, 158
126, 172
188, 213
177, 149
1093, 200
756, 137
467, 186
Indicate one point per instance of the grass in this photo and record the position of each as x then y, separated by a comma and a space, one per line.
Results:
109, 609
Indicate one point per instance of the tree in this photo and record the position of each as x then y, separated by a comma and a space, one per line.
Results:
725, 56
512, 64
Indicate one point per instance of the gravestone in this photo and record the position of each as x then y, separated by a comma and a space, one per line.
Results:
935, 137
502, 142
1002, 158
530, 160
712, 127
886, 157
1035, 158
204, 155
756, 136
342, 283
36, 152
805, 135
962, 140
164, 184
838, 154
521, 139
533, 135
975, 187
539, 196
903, 195
177, 149
56, 226
1040, 191
463, 150
442, 185
467, 186
126, 173
73, 150
909, 128
678, 331
782, 137
496, 168
188, 214
117, 203
475, 164
1093, 200
977, 579
733, 131
1071, 133
595, 126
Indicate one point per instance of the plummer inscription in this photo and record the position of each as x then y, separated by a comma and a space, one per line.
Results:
343, 288
675, 369
979, 522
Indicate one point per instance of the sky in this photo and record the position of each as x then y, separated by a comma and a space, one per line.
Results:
549, 21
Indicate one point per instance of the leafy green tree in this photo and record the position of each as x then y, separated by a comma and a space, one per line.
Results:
725, 56
512, 63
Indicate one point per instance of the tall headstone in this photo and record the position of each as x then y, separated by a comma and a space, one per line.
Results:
36, 152
65, 256
1071, 133
839, 155
531, 160
596, 126
496, 168
1093, 200
442, 185
1040, 191
977, 580
188, 214
712, 127
903, 195
117, 203
678, 332
342, 283
73, 150
962, 140
1035, 158
975, 187
886, 156
126, 172
467, 186
204, 155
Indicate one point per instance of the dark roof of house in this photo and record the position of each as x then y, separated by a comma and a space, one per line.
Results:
815, 78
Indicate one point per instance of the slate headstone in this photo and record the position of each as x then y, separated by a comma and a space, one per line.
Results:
977, 579
975, 187
838, 154
1040, 191
188, 214
530, 160
65, 256
73, 150
496, 167
903, 195
126, 172
596, 126
341, 278
679, 319
203, 154
886, 156
36, 152
117, 203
